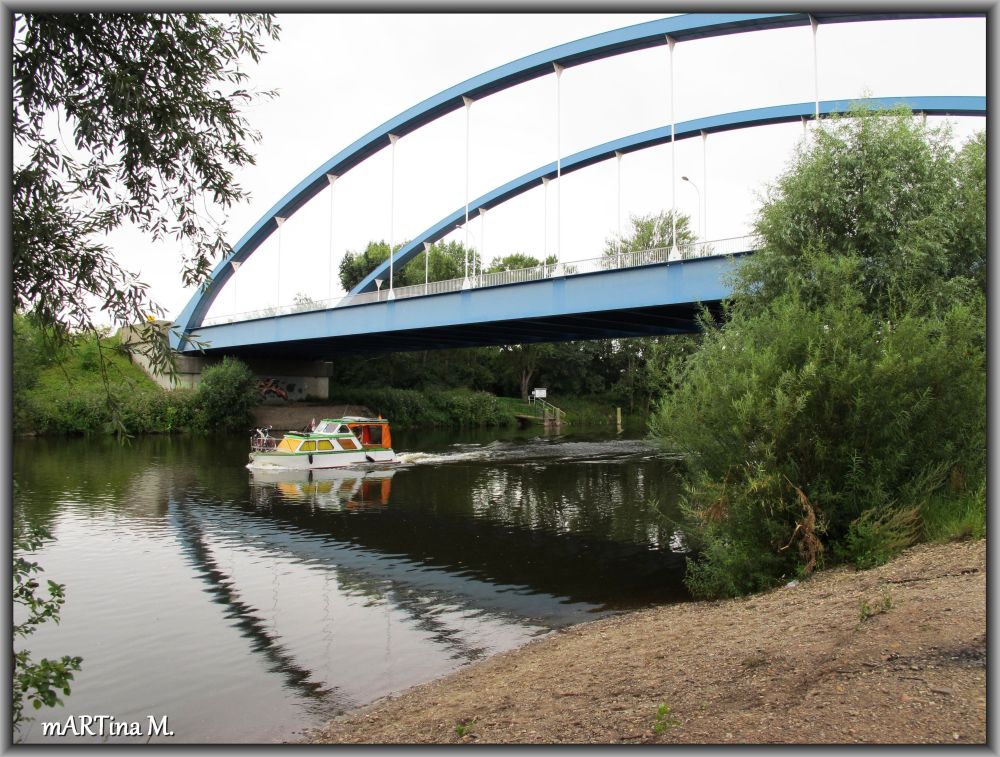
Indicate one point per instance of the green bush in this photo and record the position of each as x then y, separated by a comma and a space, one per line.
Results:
443, 408
60, 388
848, 409
226, 396
151, 410
818, 423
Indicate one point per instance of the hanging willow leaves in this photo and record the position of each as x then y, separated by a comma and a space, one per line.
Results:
124, 118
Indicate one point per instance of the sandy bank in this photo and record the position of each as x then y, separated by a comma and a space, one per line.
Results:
798, 665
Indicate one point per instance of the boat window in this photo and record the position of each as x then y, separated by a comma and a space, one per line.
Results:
309, 446
325, 444
347, 443
288, 445
375, 435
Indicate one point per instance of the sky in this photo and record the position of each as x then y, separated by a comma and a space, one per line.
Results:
340, 75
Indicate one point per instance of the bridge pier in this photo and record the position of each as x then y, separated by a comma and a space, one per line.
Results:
297, 379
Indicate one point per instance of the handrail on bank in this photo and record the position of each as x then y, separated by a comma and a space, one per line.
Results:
547, 407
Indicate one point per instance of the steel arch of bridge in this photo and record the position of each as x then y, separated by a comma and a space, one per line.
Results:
607, 44
931, 105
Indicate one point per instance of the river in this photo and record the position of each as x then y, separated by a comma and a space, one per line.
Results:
249, 609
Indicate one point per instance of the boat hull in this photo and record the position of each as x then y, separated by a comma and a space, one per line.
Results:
319, 460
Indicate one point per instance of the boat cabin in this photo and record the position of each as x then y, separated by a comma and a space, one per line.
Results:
294, 443
373, 433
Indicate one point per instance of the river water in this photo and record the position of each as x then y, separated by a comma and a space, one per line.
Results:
248, 609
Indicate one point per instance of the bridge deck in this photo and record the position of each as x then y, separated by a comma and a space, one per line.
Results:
661, 298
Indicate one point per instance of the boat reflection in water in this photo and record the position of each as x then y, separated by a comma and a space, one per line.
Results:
333, 489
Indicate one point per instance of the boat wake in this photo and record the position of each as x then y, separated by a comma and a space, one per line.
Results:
539, 451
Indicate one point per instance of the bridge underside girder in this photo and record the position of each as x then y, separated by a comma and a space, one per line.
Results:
653, 321
650, 300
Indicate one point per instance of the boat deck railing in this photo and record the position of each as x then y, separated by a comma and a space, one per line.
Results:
262, 441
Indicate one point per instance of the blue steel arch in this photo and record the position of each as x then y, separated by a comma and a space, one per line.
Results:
955, 105
607, 44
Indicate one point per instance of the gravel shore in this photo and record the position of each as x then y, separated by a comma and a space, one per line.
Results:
892, 655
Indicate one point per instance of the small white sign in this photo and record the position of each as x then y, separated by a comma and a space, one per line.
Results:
539, 393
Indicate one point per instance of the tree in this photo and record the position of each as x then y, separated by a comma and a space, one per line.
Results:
846, 389
36, 682
354, 266
646, 367
150, 103
523, 362
885, 189
650, 231
516, 261
302, 302
447, 261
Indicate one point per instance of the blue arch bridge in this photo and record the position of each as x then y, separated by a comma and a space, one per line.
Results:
643, 293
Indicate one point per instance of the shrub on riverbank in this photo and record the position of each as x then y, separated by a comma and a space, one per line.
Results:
227, 394
410, 408
839, 414
465, 408
66, 393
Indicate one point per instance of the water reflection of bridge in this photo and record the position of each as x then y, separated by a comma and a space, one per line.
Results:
461, 586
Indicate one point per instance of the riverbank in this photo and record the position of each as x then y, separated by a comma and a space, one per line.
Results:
895, 654
295, 416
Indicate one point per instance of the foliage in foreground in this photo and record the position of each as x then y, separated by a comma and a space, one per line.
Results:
844, 399
151, 104
39, 683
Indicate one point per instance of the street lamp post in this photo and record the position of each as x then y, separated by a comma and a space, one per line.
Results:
685, 178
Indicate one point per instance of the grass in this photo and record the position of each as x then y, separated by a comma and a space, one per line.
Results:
664, 719
79, 371
462, 728
515, 406
67, 395
866, 611
955, 516
754, 661
581, 412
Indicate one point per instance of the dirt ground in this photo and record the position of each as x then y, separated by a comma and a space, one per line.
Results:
806, 664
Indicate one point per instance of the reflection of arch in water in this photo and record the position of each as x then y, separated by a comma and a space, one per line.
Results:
339, 490
193, 543
360, 567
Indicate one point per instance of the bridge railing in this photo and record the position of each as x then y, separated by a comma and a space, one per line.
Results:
608, 262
